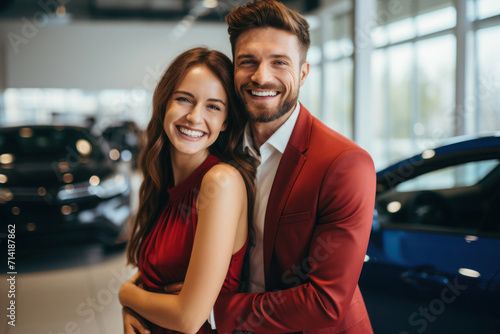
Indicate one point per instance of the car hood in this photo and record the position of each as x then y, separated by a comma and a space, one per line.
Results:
49, 175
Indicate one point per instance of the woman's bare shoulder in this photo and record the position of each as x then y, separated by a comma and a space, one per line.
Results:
223, 176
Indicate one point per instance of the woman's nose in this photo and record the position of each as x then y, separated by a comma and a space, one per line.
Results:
195, 115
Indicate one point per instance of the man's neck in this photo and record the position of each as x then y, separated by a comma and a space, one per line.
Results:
262, 131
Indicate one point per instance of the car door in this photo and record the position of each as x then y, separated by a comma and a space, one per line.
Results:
433, 262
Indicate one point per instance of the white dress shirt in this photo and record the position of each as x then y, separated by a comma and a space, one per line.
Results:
268, 158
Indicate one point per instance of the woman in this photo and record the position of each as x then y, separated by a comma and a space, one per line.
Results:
192, 221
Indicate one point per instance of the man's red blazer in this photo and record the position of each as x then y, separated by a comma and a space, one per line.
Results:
317, 226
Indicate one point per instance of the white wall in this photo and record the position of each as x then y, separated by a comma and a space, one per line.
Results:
97, 55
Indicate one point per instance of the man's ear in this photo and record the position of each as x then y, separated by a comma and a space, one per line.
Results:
304, 72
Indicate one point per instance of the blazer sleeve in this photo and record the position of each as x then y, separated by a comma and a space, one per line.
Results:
336, 256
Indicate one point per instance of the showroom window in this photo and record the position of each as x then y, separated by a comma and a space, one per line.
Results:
310, 92
75, 106
328, 91
487, 79
427, 85
338, 51
413, 84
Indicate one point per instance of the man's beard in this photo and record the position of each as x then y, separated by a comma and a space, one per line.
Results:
256, 116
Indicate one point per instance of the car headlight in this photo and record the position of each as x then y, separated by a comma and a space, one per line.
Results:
5, 195
109, 187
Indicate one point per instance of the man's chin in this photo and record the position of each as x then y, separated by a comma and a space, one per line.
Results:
265, 115
261, 115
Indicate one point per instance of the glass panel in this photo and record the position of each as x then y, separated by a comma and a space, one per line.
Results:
437, 20
379, 37
436, 88
314, 55
310, 92
339, 96
403, 20
339, 37
379, 96
401, 30
488, 96
400, 78
463, 175
487, 8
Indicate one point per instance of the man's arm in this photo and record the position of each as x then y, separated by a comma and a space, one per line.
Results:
338, 247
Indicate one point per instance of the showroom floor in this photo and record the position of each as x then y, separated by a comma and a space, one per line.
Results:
71, 290
64, 300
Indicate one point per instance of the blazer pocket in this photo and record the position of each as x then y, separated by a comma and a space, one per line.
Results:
295, 217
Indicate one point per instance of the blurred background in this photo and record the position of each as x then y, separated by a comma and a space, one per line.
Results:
399, 77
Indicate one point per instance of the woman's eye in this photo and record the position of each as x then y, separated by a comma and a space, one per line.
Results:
182, 99
212, 106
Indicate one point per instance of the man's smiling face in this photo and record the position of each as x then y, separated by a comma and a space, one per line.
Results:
268, 73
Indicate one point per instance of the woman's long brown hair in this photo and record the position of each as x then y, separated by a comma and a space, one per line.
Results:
154, 160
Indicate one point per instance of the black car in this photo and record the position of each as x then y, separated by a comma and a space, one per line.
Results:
124, 138
433, 262
58, 185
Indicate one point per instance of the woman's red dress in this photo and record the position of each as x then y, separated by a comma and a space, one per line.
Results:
166, 250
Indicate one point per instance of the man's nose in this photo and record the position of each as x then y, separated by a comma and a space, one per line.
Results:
261, 75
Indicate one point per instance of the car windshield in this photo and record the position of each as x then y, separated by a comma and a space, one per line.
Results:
462, 175
38, 144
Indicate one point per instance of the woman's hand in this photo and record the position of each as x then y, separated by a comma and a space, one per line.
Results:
133, 323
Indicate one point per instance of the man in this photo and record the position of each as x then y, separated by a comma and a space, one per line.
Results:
315, 190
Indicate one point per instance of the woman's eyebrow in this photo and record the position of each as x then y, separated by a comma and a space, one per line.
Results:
191, 95
216, 100
183, 92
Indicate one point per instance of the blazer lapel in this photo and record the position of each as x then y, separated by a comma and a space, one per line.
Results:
288, 170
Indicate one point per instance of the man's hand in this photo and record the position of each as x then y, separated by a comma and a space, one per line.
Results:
174, 288
136, 279
133, 323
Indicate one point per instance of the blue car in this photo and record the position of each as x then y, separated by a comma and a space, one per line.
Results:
433, 261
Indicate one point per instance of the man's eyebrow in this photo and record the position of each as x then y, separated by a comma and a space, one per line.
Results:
281, 56
271, 56
244, 56
191, 95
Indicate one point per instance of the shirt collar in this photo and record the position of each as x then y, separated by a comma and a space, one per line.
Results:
278, 140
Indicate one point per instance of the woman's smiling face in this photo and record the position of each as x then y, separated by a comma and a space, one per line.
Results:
196, 112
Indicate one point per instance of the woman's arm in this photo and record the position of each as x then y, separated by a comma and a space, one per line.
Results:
222, 227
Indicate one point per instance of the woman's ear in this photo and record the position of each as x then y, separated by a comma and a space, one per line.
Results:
224, 126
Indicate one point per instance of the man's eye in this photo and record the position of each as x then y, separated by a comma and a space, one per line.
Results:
280, 63
247, 62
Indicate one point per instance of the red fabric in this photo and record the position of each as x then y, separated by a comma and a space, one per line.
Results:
166, 251
317, 226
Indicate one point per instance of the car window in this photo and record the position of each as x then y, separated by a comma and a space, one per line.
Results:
462, 175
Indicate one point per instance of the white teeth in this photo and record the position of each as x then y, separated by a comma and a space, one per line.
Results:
269, 93
191, 133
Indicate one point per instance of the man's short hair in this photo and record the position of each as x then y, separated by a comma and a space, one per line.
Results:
268, 13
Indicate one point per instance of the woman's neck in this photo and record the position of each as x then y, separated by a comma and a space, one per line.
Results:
183, 165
